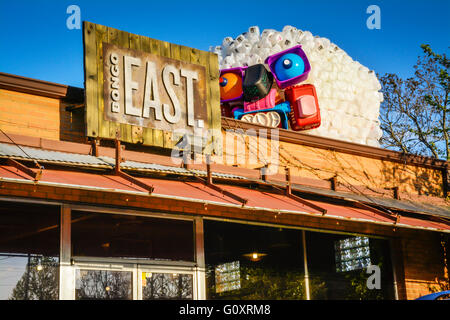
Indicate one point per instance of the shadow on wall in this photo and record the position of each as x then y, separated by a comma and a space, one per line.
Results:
72, 125
442, 283
421, 181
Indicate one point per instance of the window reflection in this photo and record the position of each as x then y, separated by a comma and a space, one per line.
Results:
228, 276
29, 251
352, 254
123, 236
337, 266
103, 285
32, 277
165, 286
253, 262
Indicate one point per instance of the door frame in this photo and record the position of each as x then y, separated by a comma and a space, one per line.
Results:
166, 269
135, 268
69, 263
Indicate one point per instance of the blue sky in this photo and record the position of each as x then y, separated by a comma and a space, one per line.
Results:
36, 42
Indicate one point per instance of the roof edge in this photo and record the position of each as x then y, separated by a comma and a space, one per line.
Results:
40, 87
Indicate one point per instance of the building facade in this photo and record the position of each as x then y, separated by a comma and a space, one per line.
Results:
84, 218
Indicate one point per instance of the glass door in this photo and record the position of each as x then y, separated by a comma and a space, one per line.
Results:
159, 283
105, 281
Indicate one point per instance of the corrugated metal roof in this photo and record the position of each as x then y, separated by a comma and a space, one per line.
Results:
9, 150
133, 165
145, 166
219, 175
404, 204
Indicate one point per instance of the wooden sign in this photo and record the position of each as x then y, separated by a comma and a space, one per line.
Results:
150, 92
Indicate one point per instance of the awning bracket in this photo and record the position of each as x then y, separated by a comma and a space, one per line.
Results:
389, 215
36, 175
120, 173
288, 191
209, 183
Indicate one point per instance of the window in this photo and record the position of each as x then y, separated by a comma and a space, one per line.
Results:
352, 254
132, 237
253, 262
228, 277
337, 266
167, 286
29, 251
103, 285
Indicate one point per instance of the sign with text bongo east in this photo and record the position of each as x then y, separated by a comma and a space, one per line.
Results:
150, 92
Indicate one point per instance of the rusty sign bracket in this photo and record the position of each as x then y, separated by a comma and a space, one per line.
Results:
75, 107
120, 173
36, 175
395, 192
209, 183
94, 147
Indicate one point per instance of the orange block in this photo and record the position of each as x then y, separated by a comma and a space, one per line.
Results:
230, 86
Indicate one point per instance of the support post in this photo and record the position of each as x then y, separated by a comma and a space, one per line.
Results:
263, 172
305, 264
94, 149
288, 190
200, 258
118, 155
66, 281
208, 170
288, 181
334, 183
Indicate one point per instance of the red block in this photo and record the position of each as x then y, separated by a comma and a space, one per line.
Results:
305, 111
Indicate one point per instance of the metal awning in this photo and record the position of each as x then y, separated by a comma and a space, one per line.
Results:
193, 191
402, 205
89, 161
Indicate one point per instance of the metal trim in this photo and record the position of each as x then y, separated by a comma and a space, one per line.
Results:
300, 228
77, 260
129, 212
30, 200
